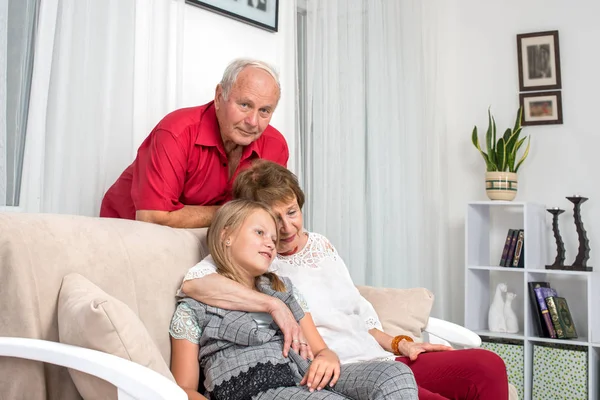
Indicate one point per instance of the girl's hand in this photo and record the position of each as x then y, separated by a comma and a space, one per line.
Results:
324, 369
413, 349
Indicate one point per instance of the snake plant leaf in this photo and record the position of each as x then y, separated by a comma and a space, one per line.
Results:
518, 120
488, 135
492, 150
525, 154
507, 135
488, 164
501, 154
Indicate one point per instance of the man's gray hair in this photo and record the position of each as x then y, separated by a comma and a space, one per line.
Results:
236, 66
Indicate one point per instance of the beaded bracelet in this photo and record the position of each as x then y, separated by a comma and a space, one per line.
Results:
396, 340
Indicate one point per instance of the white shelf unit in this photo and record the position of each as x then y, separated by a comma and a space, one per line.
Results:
486, 226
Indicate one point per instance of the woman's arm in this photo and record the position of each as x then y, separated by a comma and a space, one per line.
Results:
325, 368
186, 367
383, 339
406, 348
218, 291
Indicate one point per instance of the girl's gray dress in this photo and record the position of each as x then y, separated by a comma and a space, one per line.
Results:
242, 360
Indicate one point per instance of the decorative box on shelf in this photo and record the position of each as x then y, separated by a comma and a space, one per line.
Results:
560, 372
513, 354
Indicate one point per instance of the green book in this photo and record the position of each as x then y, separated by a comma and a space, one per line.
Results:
561, 317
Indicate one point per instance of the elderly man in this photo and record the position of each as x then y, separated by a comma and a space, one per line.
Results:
185, 168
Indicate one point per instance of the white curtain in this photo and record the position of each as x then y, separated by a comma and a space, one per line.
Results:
3, 67
17, 29
105, 72
375, 146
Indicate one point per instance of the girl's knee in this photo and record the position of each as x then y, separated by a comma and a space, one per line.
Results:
397, 381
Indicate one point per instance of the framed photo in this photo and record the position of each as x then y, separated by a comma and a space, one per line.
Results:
261, 13
539, 61
543, 108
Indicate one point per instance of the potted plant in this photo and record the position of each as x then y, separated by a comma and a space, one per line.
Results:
501, 158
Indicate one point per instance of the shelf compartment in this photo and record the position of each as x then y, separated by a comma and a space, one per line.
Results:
560, 272
494, 268
501, 335
580, 341
574, 288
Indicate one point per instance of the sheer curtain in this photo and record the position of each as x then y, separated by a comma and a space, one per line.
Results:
3, 136
375, 144
17, 27
104, 73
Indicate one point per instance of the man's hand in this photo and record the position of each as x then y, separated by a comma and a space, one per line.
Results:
283, 317
412, 350
325, 369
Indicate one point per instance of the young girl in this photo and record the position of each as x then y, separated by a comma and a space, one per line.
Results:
240, 353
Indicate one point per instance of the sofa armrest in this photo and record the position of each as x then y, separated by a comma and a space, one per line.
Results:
133, 381
455, 334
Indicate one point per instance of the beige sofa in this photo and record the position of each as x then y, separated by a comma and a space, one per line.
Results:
121, 267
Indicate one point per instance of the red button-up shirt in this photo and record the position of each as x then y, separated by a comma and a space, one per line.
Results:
183, 162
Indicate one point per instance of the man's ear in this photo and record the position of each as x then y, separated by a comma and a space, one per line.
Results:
218, 96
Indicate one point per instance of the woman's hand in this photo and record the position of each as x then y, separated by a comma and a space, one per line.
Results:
305, 349
325, 369
413, 349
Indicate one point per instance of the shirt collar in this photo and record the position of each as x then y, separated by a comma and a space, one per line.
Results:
210, 133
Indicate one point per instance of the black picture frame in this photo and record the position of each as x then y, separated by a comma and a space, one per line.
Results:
541, 108
539, 61
248, 11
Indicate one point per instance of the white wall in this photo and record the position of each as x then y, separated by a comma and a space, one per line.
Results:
564, 159
212, 40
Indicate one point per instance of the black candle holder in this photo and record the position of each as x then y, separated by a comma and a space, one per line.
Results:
559, 261
583, 253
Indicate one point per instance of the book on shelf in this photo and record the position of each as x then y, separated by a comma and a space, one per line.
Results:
536, 312
561, 317
511, 249
519, 257
541, 293
506, 247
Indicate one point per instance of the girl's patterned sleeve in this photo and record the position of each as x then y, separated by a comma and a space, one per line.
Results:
300, 299
184, 324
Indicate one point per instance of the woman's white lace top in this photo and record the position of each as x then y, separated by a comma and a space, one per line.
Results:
342, 316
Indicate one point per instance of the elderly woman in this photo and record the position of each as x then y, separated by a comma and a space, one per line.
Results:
346, 321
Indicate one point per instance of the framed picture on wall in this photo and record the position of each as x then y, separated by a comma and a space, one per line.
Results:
539, 61
261, 13
543, 108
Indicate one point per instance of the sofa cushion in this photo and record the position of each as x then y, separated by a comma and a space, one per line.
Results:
88, 317
140, 264
401, 311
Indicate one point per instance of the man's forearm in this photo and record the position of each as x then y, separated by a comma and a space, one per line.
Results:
186, 217
218, 291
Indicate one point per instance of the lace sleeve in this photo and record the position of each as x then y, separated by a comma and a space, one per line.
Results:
184, 324
300, 299
369, 314
200, 270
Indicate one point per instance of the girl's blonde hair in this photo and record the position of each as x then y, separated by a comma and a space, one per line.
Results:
228, 219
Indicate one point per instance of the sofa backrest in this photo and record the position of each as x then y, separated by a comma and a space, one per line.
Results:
140, 264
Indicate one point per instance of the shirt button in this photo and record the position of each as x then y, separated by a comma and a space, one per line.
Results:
224, 164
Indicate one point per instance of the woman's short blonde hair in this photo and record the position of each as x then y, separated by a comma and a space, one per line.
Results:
269, 183
228, 219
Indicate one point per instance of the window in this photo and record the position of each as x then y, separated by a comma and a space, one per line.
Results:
302, 137
18, 22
